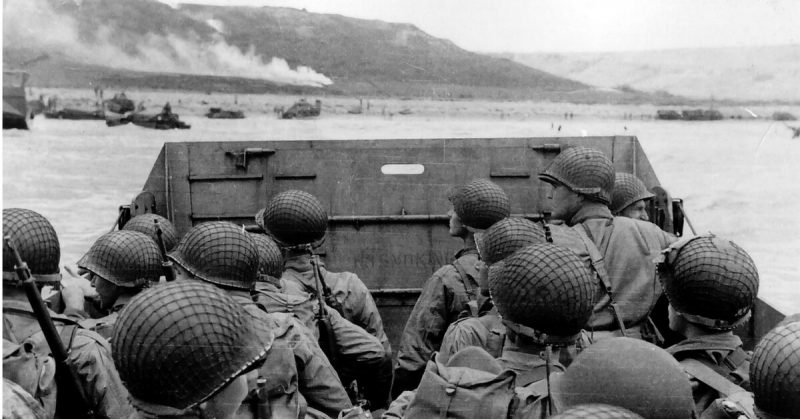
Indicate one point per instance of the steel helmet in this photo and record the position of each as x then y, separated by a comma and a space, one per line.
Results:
269, 256
583, 170
509, 235
545, 288
37, 243
597, 411
146, 223
177, 344
629, 373
124, 258
219, 252
710, 281
480, 203
628, 189
295, 218
775, 372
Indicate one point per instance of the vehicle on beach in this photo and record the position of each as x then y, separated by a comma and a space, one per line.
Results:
119, 104
302, 109
16, 113
392, 240
219, 113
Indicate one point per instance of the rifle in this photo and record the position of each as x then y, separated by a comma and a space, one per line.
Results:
67, 378
166, 264
327, 340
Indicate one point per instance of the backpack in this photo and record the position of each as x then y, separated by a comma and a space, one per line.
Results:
28, 363
459, 390
303, 308
734, 400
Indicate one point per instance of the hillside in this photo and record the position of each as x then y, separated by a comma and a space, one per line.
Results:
743, 74
147, 44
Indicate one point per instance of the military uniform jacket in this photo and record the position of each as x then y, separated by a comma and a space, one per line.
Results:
296, 370
443, 298
630, 249
350, 293
486, 331
722, 353
89, 353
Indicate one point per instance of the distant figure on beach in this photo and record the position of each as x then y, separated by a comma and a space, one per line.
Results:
570, 115
559, 128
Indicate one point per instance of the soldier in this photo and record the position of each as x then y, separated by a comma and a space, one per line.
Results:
545, 296
486, 329
475, 206
628, 373
297, 222
120, 264
630, 197
775, 373
220, 253
711, 284
357, 354
620, 249
188, 350
146, 223
296, 219
88, 353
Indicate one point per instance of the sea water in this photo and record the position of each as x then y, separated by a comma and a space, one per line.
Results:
739, 178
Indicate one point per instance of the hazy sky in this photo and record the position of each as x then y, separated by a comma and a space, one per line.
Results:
575, 25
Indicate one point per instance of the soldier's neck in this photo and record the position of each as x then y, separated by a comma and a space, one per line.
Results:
692, 331
469, 241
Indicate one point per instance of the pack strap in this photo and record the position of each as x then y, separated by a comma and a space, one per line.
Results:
469, 284
709, 377
596, 257
67, 335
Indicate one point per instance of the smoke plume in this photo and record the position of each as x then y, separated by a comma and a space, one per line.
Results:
35, 24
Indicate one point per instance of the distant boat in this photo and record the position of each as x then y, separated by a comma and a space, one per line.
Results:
16, 113
406, 111
302, 110
73, 113
219, 113
162, 121
701, 115
668, 115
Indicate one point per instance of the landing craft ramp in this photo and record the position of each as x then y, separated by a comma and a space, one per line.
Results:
388, 227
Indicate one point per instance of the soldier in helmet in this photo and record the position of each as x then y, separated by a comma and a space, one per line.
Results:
357, 353
486, 329
147, 223
628, 373
221, 254
630, 197
297, 221
119, 264
188, 350
90, 355
620, 249
775, 373
475, 206
544, 295
711, 284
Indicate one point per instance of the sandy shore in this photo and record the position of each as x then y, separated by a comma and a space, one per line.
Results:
197, 104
